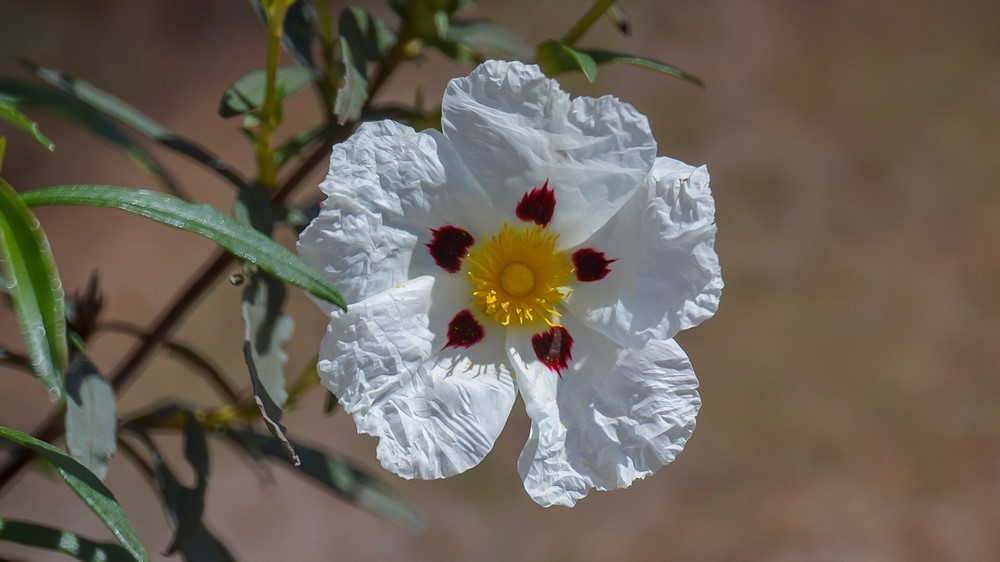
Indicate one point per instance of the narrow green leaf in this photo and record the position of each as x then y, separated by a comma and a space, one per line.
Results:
338, 476
555, 58
100, 500
353, 94
247, 93
363, 38
9, 113
60, 540
96, 109
241, 240
91, 423
35, 289
485, 36
297, 144
266, 330
22, 93
367, 34
608, 57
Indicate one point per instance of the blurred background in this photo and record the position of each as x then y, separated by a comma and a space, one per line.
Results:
850, 380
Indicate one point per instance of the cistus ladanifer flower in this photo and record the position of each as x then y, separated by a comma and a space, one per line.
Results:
537, 246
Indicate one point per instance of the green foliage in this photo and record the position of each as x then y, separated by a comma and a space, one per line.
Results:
363, 38
101, 113
266, 331
555, 58
336, 475
242, 241
60, 540
10, 114
609, 57
247, 93
100, 500
19, 93
91, 424
35, 289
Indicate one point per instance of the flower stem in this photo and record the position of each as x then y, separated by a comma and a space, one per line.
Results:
585, 21
270, 113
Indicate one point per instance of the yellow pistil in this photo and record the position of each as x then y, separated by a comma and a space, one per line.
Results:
518, 277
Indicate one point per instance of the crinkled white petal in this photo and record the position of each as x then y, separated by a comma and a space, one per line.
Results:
436, 411
617, 415
387, 187
667, 277
515, 129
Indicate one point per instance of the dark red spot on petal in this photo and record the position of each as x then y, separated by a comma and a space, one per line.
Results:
554, 348
537, 205
448, 246
464, 330
591, 265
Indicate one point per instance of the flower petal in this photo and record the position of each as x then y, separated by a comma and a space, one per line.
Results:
617, 415
515, 129
387, 187
436, 410
667, 276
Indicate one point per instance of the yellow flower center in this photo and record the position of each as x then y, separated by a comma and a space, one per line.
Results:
518, 277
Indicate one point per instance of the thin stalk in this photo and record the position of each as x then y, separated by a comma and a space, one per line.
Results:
586, 21
270, 113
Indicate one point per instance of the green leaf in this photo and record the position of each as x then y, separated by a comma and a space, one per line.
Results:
241, 240
59, 540
338, 476
35, 289
353, 94
22, 93
91, 423
367, 34
555, 58
363, 38
100, 500
295, 145
481, 35
10, 114
265, 334
96, 109
608, 57
247, 93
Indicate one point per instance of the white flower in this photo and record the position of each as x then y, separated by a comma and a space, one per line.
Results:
537, 246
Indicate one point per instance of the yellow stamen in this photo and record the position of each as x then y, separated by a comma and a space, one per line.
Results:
518, 277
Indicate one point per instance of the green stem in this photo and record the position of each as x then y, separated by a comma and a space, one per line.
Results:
270, 113
587, 20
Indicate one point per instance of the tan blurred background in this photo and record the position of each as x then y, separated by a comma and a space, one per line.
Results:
850, 380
